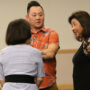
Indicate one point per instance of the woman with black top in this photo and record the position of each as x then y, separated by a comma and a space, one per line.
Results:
80, 22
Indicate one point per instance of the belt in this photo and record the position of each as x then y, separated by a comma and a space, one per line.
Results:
20, 78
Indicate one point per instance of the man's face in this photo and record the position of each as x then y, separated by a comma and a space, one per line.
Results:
35, 17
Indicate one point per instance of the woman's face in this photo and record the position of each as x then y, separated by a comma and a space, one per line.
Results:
76, 28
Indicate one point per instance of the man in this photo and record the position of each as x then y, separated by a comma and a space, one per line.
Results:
46, 40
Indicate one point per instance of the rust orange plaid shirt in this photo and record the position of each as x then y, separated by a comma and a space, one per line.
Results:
41, 40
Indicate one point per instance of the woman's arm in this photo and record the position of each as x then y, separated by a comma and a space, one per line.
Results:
2, 81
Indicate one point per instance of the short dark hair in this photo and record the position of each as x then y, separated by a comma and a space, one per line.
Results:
84, 18
18, 32
33, 3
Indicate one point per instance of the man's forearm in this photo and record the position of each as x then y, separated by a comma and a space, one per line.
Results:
50, 52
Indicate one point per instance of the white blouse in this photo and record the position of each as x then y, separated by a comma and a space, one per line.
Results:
20, 59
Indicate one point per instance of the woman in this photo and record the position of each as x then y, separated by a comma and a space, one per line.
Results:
80, 22
21, 65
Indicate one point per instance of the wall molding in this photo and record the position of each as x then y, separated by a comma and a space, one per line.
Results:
65, 86
67, 51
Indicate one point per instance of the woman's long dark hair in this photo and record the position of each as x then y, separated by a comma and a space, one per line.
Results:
84, 18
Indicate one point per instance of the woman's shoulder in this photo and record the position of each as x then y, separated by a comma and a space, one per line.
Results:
32, 49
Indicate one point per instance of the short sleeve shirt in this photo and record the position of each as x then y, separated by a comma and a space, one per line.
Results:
41, 40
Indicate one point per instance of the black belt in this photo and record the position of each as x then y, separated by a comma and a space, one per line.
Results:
20, 78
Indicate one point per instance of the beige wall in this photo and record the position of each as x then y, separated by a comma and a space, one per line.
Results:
64, 67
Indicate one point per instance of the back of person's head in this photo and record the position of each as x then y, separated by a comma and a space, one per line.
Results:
32, 4
18, 32
84, 19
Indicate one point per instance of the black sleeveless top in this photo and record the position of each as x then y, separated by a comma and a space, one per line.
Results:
81, 70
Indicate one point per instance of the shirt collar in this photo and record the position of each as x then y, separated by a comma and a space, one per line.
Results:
42, 30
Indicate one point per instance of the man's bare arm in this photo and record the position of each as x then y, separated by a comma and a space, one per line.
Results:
50, 52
